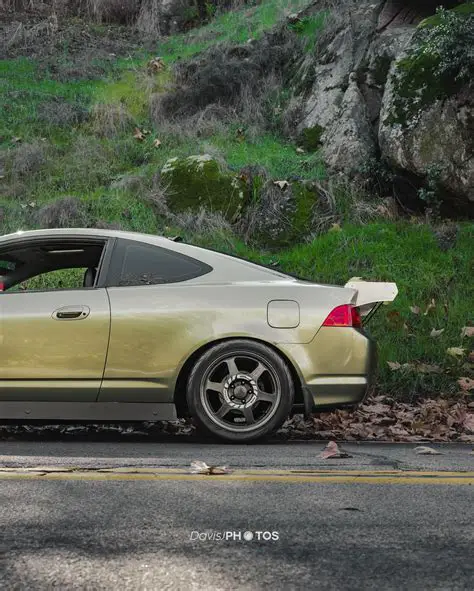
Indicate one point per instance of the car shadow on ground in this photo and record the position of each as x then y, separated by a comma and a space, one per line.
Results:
115, 433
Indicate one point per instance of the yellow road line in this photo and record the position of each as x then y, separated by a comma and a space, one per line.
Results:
348, 477
238, 472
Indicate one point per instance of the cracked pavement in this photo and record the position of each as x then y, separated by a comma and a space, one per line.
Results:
104, 524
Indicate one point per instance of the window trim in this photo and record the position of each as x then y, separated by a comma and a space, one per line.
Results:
118, 257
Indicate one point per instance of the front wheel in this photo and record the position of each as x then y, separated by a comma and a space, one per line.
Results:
240, 391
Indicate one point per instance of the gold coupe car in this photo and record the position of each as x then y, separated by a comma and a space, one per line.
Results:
156, 329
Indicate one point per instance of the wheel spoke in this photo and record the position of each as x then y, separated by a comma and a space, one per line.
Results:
258, 372
266, 396
231, 366
215, 386
248, 414
224, 409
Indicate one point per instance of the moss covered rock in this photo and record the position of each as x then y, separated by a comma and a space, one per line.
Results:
283, 214
199, 182
427, 115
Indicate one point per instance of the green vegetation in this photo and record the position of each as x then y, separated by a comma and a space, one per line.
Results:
236, 26
439, 63
198, 181
84, 151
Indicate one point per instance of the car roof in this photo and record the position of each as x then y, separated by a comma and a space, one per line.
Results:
83, 232
240, 269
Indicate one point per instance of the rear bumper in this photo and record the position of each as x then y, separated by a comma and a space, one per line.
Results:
336, 368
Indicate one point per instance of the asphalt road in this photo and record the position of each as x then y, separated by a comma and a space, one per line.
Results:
129, 515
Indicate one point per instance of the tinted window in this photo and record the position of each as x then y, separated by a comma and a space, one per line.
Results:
143, 264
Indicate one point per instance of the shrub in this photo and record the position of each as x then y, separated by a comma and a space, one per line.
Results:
61, 113
439, 63
113, 11
109, 120
229, 75
66, 212
29, 158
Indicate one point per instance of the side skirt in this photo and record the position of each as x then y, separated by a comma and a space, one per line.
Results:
87, 411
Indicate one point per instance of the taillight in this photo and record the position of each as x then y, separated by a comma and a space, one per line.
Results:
345, 315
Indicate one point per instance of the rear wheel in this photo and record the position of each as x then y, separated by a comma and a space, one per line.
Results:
240, 391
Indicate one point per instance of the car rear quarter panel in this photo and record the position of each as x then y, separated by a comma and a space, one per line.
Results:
155, 329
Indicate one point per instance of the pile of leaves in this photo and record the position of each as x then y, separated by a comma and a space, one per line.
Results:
382, 418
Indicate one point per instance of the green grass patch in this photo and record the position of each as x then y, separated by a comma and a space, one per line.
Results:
309, 27
278, 157
23, 90
235, 26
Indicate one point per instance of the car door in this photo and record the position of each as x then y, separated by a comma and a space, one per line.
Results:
152, 321
53, 344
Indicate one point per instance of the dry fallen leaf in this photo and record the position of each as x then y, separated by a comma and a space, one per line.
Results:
468, 423
281, 184
333, 451
427, 368
467, 331
156, 143
199, 467
427, 451
436, 333
16, 140
394, 365
455, 351
415, 309
138, 134
300, 151
156, 64
431, 306
466, 384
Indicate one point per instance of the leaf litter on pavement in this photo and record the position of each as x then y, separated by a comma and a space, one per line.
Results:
423, 450
381, 418
200, 467
332, 450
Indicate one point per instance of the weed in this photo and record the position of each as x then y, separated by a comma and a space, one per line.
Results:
67, 212
110, 120
29, 158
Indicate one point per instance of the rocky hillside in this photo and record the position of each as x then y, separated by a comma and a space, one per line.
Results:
327, 139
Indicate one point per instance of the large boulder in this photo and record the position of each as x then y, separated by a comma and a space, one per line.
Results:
349, 95
426, 124
334, 104
441, 142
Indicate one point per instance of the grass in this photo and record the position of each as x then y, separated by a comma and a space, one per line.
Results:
278, 157
237, 26
23, 89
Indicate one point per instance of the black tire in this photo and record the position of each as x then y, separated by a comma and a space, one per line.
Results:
253, 402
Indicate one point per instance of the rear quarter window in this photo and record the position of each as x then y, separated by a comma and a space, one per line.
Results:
136, 264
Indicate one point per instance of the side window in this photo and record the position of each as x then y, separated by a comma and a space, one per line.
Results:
61, 279
144, 264
46, 265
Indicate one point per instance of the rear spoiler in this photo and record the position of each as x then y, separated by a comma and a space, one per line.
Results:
370, 295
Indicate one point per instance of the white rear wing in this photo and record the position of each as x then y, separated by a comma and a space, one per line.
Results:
371, 294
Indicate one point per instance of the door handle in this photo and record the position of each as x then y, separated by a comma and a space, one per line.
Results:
71, 313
